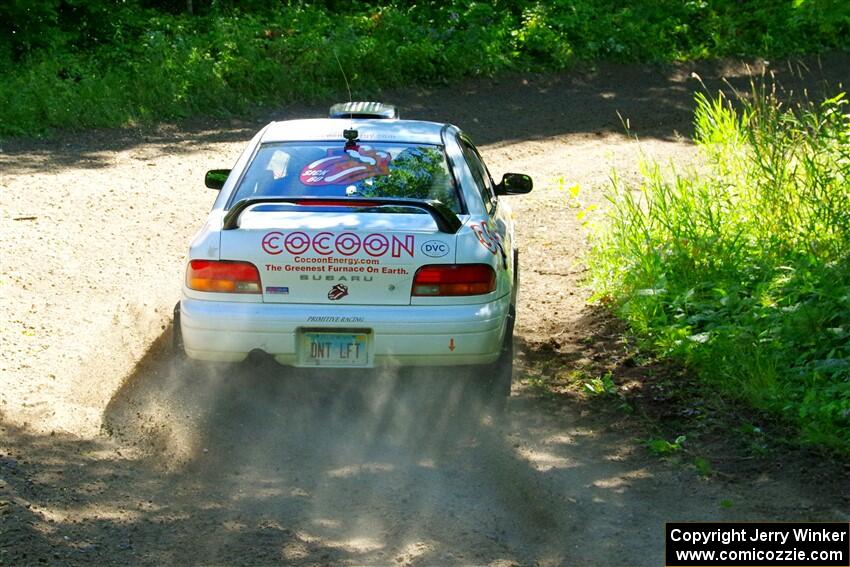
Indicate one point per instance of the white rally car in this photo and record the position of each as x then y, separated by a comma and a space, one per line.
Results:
356, 241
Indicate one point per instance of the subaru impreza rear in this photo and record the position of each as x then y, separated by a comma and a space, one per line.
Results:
351, 242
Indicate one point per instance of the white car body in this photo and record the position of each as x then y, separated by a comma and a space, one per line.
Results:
301, 257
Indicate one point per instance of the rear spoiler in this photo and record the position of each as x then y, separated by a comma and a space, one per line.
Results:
447, 221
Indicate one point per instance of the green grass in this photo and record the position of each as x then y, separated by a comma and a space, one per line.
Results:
94, 63
743, 270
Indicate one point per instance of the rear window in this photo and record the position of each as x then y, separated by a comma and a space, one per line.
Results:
374, 169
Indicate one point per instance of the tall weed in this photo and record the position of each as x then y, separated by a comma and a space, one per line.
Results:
743, 269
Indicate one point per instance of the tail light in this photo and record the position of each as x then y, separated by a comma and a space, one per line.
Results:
223, 277
454, 279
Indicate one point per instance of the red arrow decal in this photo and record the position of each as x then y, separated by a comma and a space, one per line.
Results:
452, 345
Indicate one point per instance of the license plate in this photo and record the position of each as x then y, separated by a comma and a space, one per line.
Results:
334, 349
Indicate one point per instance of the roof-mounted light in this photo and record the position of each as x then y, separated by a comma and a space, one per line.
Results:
363, 110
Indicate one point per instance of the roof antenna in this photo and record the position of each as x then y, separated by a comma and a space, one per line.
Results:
347, 86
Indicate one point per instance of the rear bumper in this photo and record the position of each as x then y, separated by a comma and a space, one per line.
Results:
400, 335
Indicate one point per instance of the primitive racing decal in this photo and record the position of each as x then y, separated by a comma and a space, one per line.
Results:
346, 166
330, 319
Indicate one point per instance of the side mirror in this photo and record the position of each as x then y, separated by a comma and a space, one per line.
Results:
514, 184
215, 178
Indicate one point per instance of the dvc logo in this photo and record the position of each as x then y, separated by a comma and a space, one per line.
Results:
435, 248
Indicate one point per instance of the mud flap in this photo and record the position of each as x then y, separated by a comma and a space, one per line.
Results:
504, 367
177, 333
493, 381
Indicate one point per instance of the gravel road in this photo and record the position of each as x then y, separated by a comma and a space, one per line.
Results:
111, 454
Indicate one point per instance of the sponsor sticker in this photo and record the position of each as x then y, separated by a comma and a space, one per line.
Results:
271, 243
337, 292
332, 319
346, 166
488, 240
345, 244
434, 248
276, 289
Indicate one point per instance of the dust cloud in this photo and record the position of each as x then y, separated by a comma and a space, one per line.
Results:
382, 465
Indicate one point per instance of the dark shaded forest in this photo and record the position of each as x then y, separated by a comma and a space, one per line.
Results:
86, 63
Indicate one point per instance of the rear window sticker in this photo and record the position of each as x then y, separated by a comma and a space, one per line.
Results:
346, 166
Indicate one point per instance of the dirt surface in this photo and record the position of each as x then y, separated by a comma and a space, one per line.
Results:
111, 454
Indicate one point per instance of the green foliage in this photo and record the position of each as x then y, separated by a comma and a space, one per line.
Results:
662, 447
555, 33
83, 63
743, 270
703, 466
601, 385
415, 174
